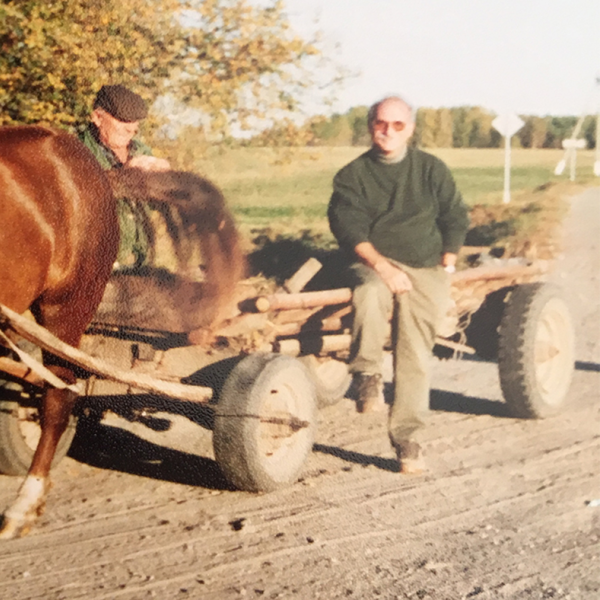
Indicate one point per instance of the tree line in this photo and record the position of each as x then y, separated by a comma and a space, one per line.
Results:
459, 127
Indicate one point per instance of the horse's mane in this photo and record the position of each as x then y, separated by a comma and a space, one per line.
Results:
203, 215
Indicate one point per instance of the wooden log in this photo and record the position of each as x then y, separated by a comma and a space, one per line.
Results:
302, 276
297, 315
302, 315
18, 369
37, 367
340, 343
303, 299
488, 272
43, 338
243, 325
328, 324
313, 344
261, 304
290, 347
454, 345
342, 312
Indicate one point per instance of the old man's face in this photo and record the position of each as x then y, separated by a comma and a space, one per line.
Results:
392, 127
114, 134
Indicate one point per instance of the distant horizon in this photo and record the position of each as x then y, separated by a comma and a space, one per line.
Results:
416, 108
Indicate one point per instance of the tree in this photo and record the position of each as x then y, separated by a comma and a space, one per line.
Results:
443, 133
334, 131
232, 60
357, 117
533, 133
285, 133
460, 127
425, 129
559, 128
589, 131
472, 128
479, 124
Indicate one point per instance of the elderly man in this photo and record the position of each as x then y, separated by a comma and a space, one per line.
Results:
397, 211
110, 136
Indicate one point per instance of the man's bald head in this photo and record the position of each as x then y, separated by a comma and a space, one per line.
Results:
388, 100
391, 124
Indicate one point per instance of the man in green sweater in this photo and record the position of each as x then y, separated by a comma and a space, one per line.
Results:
114, 122
398, 212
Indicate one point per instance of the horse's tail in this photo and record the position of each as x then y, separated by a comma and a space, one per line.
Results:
204, 216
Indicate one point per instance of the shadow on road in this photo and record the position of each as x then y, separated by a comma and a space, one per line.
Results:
581, 365
107, 447
387, 464
451, 402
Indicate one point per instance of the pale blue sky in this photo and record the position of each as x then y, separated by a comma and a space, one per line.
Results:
528, 56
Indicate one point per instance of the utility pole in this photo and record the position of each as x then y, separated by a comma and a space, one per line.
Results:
597, 161
572, 144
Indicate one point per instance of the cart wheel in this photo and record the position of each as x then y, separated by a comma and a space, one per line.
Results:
265, 422
536, 350
331, 379
20, 432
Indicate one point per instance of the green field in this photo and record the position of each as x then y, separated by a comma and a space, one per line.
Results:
287, 190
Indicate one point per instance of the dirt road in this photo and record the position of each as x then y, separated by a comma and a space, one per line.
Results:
503, 514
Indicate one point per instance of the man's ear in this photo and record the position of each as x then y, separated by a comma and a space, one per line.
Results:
96, 116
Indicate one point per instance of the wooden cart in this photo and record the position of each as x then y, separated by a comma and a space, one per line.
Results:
278, 359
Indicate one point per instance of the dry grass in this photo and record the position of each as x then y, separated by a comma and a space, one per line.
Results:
282, 194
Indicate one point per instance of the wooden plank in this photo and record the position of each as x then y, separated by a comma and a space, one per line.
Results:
303, 299
18, 369
43, 338
489, 272
302, 276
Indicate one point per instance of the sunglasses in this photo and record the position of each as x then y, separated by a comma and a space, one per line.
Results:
382, 126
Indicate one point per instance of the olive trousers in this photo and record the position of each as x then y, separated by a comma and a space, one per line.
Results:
415, 317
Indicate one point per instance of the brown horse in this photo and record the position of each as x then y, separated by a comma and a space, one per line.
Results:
58, 242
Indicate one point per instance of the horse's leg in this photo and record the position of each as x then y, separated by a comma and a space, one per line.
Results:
55, 411
31, 498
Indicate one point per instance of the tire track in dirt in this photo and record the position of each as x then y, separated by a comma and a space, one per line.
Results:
501, 516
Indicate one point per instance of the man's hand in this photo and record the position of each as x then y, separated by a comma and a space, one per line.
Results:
149, 163
449, 261
394, 277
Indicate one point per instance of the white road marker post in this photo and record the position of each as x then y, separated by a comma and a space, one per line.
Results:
597, 161
507, 125
570, 149
571, 146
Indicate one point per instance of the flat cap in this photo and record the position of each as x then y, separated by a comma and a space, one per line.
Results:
123, 104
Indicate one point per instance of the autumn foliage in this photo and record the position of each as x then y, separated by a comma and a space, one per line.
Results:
234, 61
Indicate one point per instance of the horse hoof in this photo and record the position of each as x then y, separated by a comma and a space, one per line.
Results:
13, 528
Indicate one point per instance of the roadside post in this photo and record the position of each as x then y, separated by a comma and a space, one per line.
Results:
597, 161
571, 146
507, 125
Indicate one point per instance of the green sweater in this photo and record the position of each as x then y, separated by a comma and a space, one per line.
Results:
134, 217
410, 211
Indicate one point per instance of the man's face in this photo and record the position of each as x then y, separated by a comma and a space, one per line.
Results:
392, 127
114, 134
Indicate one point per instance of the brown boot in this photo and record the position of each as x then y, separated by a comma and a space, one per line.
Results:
410, 458
369, 393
